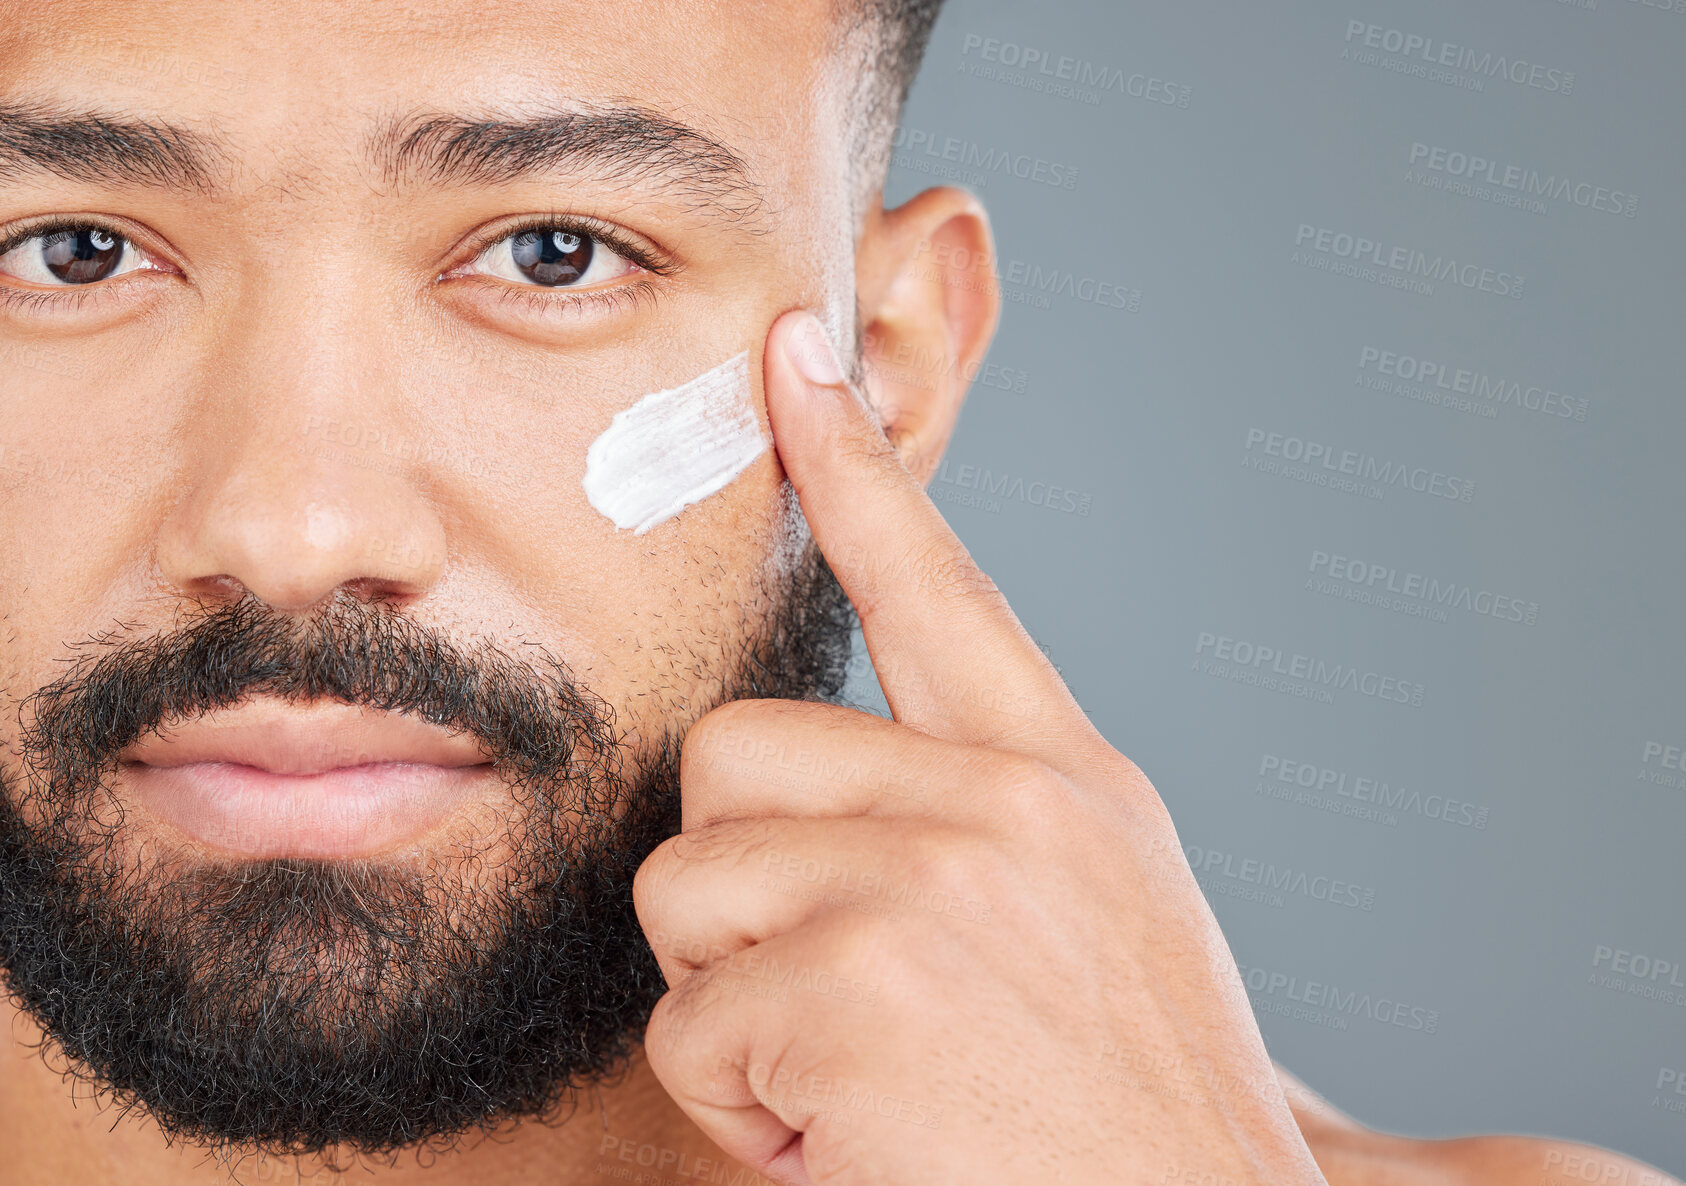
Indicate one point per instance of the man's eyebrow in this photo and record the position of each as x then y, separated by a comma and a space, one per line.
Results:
100, 149
623, 145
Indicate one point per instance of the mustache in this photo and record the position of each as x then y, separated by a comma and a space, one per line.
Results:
295, 1005
277, 1004
530, 714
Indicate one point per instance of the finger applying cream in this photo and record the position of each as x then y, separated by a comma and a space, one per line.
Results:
674, 448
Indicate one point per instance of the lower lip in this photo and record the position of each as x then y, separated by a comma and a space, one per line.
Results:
353, 811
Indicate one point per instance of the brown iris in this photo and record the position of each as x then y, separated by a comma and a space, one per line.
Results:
551, 257
83, 255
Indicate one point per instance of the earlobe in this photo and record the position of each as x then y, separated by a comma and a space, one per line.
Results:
929, 304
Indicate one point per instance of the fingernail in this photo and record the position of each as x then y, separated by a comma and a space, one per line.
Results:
810, 350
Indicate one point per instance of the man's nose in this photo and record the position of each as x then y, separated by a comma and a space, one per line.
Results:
303, 467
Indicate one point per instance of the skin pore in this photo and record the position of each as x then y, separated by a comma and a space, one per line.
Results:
287, 400
325, 380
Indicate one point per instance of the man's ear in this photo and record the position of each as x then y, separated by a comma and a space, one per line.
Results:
929, 302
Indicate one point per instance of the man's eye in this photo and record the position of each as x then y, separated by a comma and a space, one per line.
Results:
552, 257
71, 256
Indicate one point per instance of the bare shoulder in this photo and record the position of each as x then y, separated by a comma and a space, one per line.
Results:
1537, 1161
1350, 1154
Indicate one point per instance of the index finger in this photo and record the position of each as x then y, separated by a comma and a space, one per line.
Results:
950, 654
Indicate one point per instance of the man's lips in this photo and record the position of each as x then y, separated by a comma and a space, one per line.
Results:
269, 779
284, 739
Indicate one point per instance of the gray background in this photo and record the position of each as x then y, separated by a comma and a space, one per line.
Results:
1496, 943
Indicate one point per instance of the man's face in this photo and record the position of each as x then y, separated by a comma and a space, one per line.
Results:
309, 433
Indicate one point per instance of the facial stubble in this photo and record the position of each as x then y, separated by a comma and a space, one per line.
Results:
294, 1007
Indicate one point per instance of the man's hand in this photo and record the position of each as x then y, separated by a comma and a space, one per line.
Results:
959, 946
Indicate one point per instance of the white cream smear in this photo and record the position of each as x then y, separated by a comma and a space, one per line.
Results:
674, 448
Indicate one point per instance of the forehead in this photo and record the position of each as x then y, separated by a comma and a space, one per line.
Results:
296, 82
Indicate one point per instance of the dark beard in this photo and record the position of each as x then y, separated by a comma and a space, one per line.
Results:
293, 1006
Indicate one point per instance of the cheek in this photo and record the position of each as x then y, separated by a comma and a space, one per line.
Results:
693, 469
674, 448
646, 584
71, 568
673, 613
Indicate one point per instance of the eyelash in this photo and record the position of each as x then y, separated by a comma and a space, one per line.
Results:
27, 297
617, 241
74, 296
543, 301
548, 301
35, 230
538, 300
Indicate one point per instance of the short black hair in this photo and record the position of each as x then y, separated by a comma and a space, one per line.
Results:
904, 30
893, 34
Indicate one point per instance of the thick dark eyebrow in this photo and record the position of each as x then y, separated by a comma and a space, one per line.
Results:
98, 149
627, 146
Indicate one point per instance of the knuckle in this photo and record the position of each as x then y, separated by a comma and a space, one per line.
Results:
1024, 777
831, 1153
713, 735
946, 572
651, 881
728, 842
738, 713
948, 860
739, 735
683, 1038
1146, 812
1128, 790
1026, 794
664, 1033
846, 943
